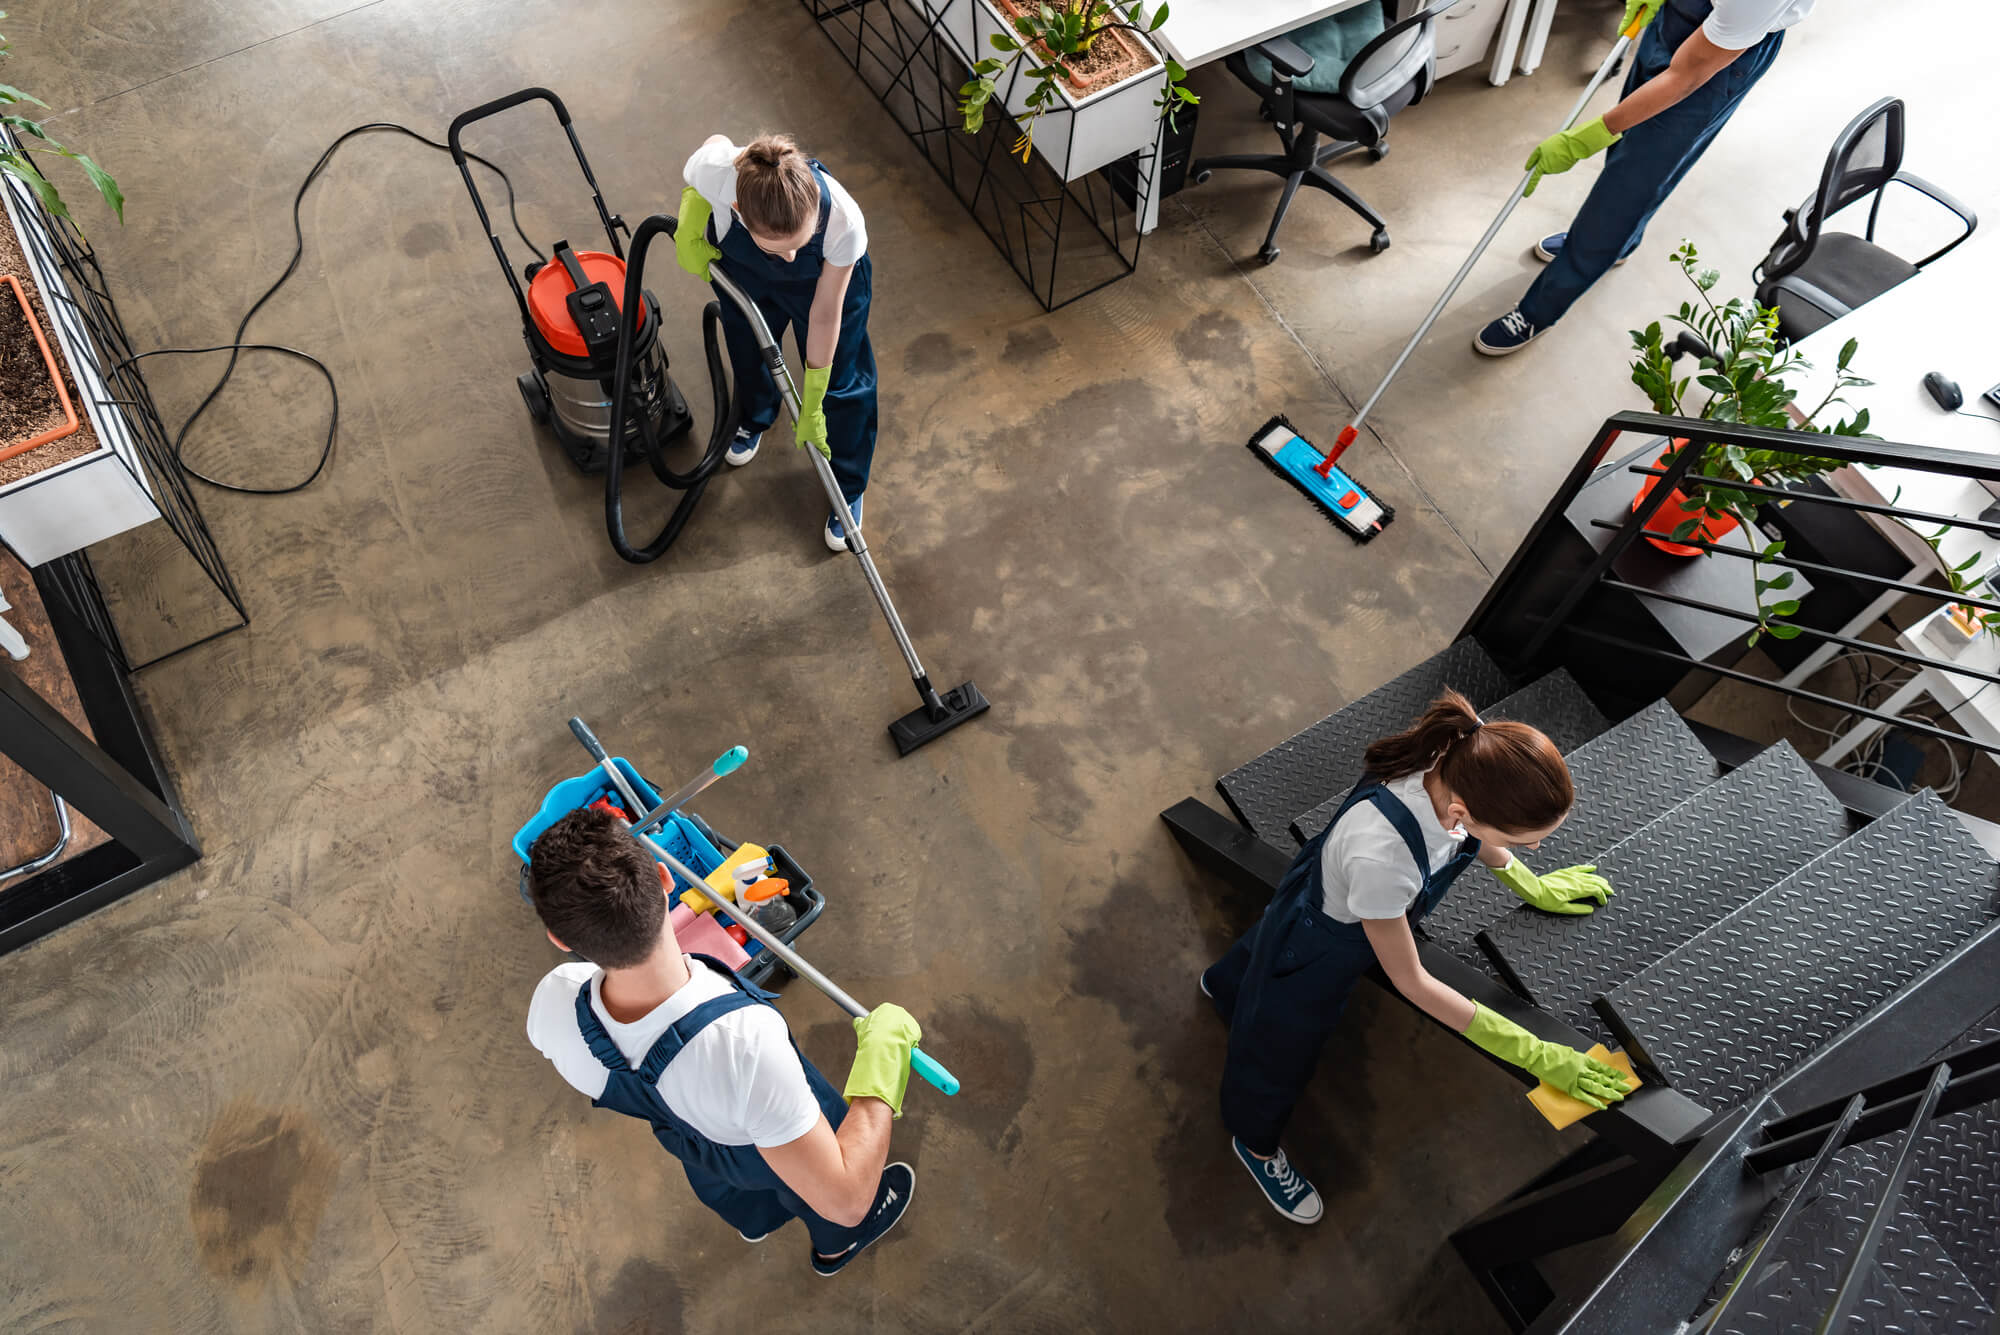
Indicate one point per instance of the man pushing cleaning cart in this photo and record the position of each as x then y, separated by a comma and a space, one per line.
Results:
684, 1042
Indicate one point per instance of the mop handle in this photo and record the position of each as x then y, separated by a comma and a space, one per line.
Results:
921, 1062
1353, 428
727, 763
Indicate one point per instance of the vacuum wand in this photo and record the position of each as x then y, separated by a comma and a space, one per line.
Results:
921, 1062
1353, 428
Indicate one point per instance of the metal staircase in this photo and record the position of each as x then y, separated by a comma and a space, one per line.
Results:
1760, 926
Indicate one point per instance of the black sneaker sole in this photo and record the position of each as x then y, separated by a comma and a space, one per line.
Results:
820, 1268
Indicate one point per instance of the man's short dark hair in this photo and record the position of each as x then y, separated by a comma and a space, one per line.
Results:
597, 889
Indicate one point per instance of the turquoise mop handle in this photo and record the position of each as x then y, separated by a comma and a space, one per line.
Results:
931, 1069
730, 761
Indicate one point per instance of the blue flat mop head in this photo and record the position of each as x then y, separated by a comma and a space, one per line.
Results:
1344, 501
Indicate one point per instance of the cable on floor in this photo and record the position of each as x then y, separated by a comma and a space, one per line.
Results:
236, 347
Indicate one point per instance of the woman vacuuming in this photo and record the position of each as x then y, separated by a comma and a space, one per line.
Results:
1430, 801
794, 241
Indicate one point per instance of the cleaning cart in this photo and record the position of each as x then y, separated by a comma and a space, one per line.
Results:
689, 839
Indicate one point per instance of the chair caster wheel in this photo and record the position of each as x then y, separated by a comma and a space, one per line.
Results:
1378, 151
1268, 254
1379, 242
1201, 177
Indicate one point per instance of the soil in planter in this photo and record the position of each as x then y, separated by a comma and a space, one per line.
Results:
28, 402
1114, 56
80, 442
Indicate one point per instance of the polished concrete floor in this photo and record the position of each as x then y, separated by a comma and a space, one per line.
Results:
289, 1089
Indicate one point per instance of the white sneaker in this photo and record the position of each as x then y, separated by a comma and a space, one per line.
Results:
742, 449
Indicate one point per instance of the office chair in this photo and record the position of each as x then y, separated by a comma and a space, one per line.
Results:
1814, 276
1395, 70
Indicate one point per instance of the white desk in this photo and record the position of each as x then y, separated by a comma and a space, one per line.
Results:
1199, 31
1940, 320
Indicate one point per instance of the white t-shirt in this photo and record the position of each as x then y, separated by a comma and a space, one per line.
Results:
712, 171
1735, 25
739, 1082
1366, 865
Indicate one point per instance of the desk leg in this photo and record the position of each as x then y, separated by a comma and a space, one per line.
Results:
1508, 42
1538, 35
1868, 727
1823, 655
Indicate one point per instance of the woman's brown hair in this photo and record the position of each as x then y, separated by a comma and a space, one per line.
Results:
775, 190
1509, 775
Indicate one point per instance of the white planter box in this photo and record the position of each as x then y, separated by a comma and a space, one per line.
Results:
87, 499
1078, 136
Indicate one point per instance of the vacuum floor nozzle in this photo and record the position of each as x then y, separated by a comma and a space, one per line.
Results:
926, 724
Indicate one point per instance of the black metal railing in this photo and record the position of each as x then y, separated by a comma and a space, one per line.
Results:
88, 320
1064, 239
1547, 636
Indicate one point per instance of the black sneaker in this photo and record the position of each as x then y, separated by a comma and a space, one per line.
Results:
892, 1197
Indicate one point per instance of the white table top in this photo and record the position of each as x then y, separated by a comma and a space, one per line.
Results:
1941, 320
1199, 31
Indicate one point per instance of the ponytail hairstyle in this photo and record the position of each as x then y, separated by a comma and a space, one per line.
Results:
1509, 775
775, 190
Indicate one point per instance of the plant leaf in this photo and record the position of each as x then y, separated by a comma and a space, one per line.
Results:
1159, 17
1847, 350
1786, 632
1785, 608
106, 187
9, 93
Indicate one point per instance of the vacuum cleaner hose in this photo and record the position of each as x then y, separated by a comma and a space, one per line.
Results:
723, 426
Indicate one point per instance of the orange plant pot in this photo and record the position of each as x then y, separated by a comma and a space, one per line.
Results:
69, 422
1675, 511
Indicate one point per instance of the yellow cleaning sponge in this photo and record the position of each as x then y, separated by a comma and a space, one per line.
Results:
1561, 1109
722, 881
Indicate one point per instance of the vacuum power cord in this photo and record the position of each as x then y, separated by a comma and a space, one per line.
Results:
236, 347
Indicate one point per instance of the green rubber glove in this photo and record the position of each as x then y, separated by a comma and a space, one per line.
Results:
691, 244
1642, 10
882, 1042
1576, 1074
1564, 149
1568, 890
810, 429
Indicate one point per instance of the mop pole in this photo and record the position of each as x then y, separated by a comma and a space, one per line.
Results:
921, 1062
1353, 428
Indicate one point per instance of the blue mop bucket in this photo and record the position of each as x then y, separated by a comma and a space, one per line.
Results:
688, 838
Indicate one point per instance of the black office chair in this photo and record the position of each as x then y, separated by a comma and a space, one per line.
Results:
1814, 276
1393, 71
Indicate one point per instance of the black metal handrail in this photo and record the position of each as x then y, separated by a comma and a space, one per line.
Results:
1673, 476
1862, 1259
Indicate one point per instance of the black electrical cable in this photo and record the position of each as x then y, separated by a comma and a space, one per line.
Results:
236, 347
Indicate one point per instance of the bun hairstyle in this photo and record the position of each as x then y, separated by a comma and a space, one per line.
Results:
1509, 775
775, 190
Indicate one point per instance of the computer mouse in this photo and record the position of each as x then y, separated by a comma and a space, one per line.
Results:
1945, 390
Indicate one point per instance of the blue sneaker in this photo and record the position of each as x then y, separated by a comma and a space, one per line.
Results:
835, 535
742, 449
892, 1197
1510, 333
1290, 1195
1551, 246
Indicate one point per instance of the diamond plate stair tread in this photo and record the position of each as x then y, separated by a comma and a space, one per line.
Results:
1552, 702
1914, 1285
1647, 764
1729, 1011
1742, 834
1955, 1178
1303, 770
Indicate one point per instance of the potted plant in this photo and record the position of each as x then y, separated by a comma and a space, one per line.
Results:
69, 474
1090, 58
1742, 369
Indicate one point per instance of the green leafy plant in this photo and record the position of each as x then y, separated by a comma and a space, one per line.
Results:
1743, 377
1977, 586
33, 138
1051, 36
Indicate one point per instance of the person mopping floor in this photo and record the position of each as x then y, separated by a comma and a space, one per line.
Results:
1430, 801
795, 242
1695, 63
683, 1043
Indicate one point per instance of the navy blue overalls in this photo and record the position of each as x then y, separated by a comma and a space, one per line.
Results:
1647, 162
783, 291
732, 1180
1282, 987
